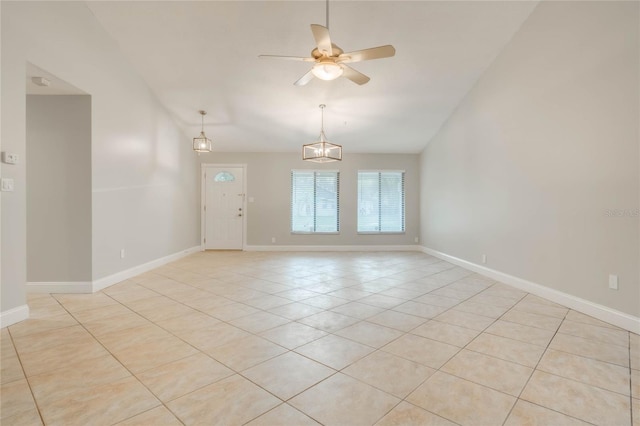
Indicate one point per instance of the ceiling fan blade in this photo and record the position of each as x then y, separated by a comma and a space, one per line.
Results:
355, 76
288, 58
323, 40
304, 79
368, 54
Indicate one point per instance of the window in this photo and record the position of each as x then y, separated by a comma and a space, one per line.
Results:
224, 177
380, 201
314, 201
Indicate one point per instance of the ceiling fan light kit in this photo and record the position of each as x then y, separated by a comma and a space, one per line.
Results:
202, 143
322, 151
327, 70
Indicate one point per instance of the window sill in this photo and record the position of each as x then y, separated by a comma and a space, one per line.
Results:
314, 233
381, 233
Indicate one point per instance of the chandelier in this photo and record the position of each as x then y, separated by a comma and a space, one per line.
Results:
202, 143
322, 151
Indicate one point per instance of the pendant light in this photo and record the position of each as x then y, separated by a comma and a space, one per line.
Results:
322, 151
202, 143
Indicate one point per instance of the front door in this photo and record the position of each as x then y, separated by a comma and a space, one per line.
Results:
223, 207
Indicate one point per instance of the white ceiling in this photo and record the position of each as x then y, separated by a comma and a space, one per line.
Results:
204, 55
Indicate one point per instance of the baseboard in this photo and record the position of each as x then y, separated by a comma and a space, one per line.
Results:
60, 287
601, 312
105, 282
334, 248
101, 283
14, 315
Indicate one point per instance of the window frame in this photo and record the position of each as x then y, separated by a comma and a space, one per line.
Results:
291, 193
403, 206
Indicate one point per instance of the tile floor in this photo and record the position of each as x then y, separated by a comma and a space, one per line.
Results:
235, 338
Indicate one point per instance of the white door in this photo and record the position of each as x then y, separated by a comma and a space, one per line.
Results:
223, 207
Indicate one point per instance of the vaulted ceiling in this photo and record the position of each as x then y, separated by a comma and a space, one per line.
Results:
204, 55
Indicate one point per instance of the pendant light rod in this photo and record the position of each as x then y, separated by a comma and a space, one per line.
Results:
202, 113
322, 106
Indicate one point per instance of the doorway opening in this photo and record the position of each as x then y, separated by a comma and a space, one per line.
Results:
58, 184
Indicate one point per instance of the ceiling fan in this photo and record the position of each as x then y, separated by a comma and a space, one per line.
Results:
330, 61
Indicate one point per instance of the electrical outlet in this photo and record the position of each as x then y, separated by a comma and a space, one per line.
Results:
613, 282
7, 185
9, 158
273, 239
121, 253
484, 259
416, 239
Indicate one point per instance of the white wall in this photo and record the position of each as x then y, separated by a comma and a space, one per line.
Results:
58, 188
269, 184
545, 145
145, 192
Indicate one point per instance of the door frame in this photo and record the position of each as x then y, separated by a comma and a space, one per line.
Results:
203, 199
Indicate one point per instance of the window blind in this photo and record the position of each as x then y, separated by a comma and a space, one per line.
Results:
381, 201
314, 201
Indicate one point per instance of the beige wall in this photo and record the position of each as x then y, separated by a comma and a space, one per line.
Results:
269, 184
145, 192
58, 141
531, 163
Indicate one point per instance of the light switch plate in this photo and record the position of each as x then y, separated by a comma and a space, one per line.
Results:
7, 185
613, 282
